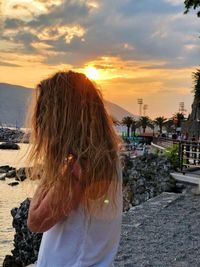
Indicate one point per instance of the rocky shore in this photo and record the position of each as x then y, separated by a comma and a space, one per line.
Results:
13, 136
26, 243
8, 172
143, 178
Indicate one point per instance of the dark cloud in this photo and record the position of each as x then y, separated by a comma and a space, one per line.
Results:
157, 30
7, 64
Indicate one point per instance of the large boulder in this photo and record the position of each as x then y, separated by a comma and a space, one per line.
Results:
9, 145
21, 174
26, 243
5, 168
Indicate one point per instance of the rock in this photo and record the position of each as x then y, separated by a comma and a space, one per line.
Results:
21, 174
11, 174
145, 177
3, 177
13, 183
26, 244
9, 262
9, 145
13, 135
5, 168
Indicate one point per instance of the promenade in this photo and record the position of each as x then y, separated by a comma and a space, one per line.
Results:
162, 232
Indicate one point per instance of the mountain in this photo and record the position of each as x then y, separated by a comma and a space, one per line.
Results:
13, 104
14, 101
118, 112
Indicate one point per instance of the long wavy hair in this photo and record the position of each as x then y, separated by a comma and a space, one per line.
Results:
70, 124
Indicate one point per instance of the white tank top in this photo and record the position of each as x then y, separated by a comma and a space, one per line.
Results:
84, 241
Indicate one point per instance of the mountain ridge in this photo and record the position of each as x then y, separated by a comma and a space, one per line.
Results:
14, 101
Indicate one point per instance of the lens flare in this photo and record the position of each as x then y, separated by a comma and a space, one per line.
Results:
92, 73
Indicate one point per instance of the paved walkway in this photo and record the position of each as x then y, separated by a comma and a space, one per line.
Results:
163, 232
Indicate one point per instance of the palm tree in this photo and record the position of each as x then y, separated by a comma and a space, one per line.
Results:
178, 118
144, 122
134, 126
160, 121
169, 125
127, 121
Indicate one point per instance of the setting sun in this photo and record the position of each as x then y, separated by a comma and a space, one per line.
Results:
92, 73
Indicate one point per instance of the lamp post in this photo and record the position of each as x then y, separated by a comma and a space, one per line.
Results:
145, 107
140, 103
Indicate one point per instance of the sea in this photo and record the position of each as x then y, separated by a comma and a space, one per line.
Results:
11, 196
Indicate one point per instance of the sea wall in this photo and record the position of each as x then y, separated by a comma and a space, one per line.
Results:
146, 177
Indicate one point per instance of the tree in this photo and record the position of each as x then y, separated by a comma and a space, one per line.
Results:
169, 125
127, 121
134, 126
144, 122
160, 122
192, 4
196, 81
193, 123
178, 118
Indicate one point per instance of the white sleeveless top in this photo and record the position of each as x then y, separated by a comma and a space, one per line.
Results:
84, 241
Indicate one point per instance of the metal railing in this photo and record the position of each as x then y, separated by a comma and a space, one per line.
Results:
189, 155
188, 152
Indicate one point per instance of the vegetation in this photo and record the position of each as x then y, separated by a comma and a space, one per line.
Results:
169, 125
189, 4
134, 126
160, 122
196, 80
127, 121
145, 122
178, 118
172, 154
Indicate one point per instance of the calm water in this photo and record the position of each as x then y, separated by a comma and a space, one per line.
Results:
11, 197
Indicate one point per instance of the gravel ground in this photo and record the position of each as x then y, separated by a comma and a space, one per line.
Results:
162, 232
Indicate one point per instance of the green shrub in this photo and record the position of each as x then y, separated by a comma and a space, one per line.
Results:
173, 155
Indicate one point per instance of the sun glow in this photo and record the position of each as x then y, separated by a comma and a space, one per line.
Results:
92, 73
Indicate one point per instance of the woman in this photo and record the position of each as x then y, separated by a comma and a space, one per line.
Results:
78, 202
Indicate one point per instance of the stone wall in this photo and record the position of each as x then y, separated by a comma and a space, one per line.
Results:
146, 177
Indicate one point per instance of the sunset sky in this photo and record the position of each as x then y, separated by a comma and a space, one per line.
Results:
132, 48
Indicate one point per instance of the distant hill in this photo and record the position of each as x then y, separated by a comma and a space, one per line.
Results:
14, 101
13, 104
118, 112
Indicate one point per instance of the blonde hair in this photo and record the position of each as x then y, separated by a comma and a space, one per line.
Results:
68, 121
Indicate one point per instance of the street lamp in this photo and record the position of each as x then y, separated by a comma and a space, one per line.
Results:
145, 107
140, 102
